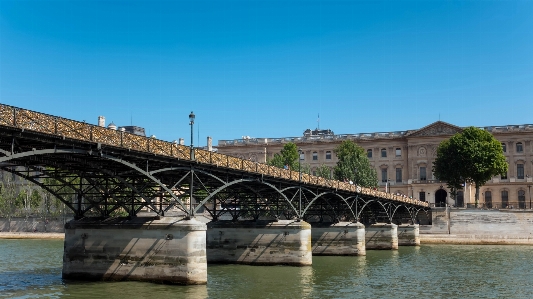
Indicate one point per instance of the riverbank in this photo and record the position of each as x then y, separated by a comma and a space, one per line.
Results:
468, 239
28, 235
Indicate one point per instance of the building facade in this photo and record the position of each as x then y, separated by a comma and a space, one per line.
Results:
403, 161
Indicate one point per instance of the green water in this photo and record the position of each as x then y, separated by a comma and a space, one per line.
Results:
32, 269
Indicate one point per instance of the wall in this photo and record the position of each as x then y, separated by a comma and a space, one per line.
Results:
33, 224
479, 226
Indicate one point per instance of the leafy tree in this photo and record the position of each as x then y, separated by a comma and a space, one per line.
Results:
324, 171
473, 155
288, 156
353, 165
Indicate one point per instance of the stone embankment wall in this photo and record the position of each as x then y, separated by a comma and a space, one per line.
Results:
33, 224
473, 226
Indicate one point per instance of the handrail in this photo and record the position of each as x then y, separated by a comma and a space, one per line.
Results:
65, 128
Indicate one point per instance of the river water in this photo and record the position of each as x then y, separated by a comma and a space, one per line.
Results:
32, 269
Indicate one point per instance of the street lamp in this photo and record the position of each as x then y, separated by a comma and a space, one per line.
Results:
300, 152
191, 119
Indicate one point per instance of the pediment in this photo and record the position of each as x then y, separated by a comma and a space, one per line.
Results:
436, 129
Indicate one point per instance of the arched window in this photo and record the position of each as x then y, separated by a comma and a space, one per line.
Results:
488, 199
369, 153
383, 152
519, 147
505, 199
521, 199
398, 152
328, 155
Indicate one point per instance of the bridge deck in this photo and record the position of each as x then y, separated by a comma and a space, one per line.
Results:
25, 120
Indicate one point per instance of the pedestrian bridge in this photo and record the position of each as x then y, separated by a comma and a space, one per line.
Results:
117, 180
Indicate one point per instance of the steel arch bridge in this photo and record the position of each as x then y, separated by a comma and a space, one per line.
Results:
100, 172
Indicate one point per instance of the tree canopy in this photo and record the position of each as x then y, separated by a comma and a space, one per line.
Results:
353, 165
473, 155
289, 156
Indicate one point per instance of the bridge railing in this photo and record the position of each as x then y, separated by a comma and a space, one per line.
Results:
65, 128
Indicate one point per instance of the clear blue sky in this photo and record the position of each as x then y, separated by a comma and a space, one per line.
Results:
269, 68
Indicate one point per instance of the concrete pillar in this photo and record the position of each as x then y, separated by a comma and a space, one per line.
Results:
381, 236
409, 235
285, 242
168, 250
343, 238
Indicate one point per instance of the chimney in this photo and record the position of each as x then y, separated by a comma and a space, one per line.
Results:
101, 121
209, 143
182, 141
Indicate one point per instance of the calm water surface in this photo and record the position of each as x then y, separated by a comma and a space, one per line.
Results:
32, 269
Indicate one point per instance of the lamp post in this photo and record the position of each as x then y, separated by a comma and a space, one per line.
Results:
300, 151
191, 119
191, 188
529, 191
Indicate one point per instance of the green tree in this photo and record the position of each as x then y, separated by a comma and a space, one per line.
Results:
353, 165
324, 171
473, 155
288, 156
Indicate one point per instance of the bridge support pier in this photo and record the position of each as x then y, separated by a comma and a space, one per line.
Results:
409, 235
381, 236
343, 238
168, 250
285, 242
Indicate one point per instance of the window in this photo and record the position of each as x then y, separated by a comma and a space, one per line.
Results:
398, 152
398, 175
505, 199
315, 156
314, 172
504, 147
328, 155
521, 199
302, 156
519, 171
383, 152
422, 173
369, 153
384, 175
460, 199
504, 176
422, 196
488, 199
519, 147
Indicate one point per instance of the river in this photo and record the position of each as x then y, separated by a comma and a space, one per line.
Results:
32, 269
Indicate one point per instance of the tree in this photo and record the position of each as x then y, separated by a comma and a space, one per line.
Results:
353, 165
287, 157
324, 171
473, 155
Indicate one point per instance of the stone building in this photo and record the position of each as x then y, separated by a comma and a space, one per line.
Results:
403, 161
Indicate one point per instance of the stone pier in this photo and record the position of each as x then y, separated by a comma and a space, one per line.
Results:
285, 242
343, 238
409, 235
166, 250
381, 236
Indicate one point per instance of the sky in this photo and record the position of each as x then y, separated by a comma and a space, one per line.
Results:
269, 68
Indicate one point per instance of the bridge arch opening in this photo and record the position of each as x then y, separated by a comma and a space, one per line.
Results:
440, 198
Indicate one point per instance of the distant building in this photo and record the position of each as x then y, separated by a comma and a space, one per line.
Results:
130, 129
403, 161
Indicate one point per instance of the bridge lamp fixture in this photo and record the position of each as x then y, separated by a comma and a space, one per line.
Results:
191, 122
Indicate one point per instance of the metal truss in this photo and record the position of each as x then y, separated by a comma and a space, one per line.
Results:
104, 174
